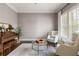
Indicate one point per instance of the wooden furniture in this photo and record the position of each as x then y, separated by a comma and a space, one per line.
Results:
7, 41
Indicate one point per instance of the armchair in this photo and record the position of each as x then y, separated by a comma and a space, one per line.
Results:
52, 36
68, 50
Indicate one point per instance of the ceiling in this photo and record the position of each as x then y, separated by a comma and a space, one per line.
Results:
36, 7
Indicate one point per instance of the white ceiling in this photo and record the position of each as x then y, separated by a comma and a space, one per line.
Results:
36, 7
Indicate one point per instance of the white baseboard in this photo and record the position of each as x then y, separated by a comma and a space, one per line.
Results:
27, 39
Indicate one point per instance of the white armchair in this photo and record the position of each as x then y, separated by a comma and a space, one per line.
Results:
53, 36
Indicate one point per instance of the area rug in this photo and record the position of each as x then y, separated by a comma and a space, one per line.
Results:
25, 49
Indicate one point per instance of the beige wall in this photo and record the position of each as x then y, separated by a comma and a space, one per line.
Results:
7, 15
36, 25
33, 25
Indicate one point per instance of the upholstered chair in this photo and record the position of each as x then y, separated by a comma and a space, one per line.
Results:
68, 50
52, 36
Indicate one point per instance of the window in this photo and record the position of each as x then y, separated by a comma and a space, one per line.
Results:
64, 25
78, 17
70, 22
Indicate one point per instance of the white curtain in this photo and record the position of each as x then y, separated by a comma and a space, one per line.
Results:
68, 23
59, 26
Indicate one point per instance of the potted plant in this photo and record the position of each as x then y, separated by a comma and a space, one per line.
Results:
18, 32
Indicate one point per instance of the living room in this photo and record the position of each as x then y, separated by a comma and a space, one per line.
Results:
39, 29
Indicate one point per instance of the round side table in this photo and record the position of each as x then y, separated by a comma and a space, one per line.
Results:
39, 47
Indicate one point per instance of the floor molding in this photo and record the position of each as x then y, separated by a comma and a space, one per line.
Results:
25, 41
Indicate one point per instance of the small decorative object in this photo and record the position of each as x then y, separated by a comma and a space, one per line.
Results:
0, 28
9, 27
37, 41
40, 41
